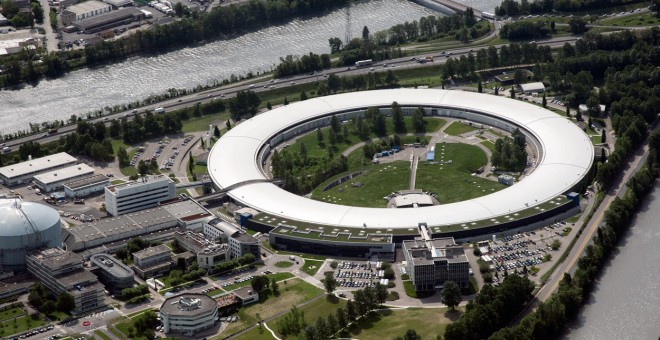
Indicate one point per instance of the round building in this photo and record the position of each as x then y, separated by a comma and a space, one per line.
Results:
24, 227
188, 314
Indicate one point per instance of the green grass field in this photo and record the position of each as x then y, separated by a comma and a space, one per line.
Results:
311, 266
19, 325
454, 182
101, 335
11, 313
458, 128
283, 264
202, 123
277, 276
293, 292
379, 181
640, 19
388, 324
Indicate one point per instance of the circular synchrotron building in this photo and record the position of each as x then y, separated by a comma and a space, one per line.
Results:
565, 157
24, 227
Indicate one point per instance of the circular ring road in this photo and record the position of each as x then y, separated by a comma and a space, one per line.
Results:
235, 161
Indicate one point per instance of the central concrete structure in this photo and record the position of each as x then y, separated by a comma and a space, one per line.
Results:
567, 156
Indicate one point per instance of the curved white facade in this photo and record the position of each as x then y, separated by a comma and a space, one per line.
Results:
566, 157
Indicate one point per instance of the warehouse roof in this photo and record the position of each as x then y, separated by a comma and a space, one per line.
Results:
37, 165
566, 158
91, 180
87, 6
121, 224
64, 174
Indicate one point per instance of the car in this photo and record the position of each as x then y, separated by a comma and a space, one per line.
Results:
178, 101
293, 83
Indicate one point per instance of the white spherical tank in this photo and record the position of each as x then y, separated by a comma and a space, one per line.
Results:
24, 227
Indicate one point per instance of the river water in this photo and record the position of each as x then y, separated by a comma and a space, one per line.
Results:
87, 90
625, 303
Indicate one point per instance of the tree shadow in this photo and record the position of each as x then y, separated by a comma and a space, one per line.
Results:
453, 315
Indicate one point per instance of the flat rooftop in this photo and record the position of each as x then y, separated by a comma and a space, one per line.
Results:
186, 210
140, 182
81, 277
37, 165
112, 265
91, 180
332, 234
55, 258
152, 251
121, 224
64, 174
188, 304
87, 6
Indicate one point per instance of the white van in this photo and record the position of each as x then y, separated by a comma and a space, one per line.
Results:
159, 110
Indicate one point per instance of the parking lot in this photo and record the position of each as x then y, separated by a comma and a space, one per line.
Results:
359, 274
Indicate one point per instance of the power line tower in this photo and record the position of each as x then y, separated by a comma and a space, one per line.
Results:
349, 35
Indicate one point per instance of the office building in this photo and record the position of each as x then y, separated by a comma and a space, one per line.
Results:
55, 180
433, 262
62, 271
84, 10
138, 195
152, 261
112, 273
188, 212
23, 172
207, 252
86, 186
188, 314
240, 243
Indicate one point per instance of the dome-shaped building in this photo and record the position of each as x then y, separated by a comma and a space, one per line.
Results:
24, 227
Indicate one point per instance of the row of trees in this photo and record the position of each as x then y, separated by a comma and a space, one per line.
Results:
262, 285
525, 7
365, 300
525, 29
291, 65
134, 292
510, 153
302, 172
549, 320
234, 263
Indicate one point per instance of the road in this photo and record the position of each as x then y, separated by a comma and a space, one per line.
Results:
617, 190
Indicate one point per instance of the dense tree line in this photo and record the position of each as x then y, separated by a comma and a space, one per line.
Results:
301, 172
244, 104
549, 320
381, 45
510, 153
525, 29
291, 65
47, 303
526, 7
491, 309
234, 263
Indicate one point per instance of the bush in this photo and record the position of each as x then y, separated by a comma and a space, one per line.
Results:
391, 284
555, 244
405, 277
334, 264
488, 277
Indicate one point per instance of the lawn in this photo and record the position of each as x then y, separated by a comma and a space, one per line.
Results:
458, 128
454, 182
387, 324
293, 292
202, 123
379, 181
11, 313
101, 335
277, 276
640, 19
311, 266
490, 145
283, 264
318, 308
410, 291
20, 325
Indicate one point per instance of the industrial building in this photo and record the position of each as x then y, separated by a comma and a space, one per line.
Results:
138, 195
152, 261
94, 234
119, 3
109, 20
62, 271
84, 10
23, 172
432, 262
240, 243
208, 253
530, 88
188, 212
114, 274
25, 227
188, 314
86, 186
54, 180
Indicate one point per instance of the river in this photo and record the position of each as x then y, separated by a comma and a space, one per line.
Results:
625, 303
87, 90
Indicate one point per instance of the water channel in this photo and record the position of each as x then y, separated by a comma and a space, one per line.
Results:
625, 303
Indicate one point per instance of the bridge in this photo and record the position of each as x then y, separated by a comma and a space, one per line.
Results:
442, 5
223, 192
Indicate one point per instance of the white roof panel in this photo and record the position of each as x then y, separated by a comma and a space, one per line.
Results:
566, 157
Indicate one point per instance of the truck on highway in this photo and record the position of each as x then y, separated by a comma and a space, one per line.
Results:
6, 149
159, 110
362, 63
52, 131
486, 15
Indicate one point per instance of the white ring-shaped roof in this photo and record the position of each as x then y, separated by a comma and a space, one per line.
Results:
567, 156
